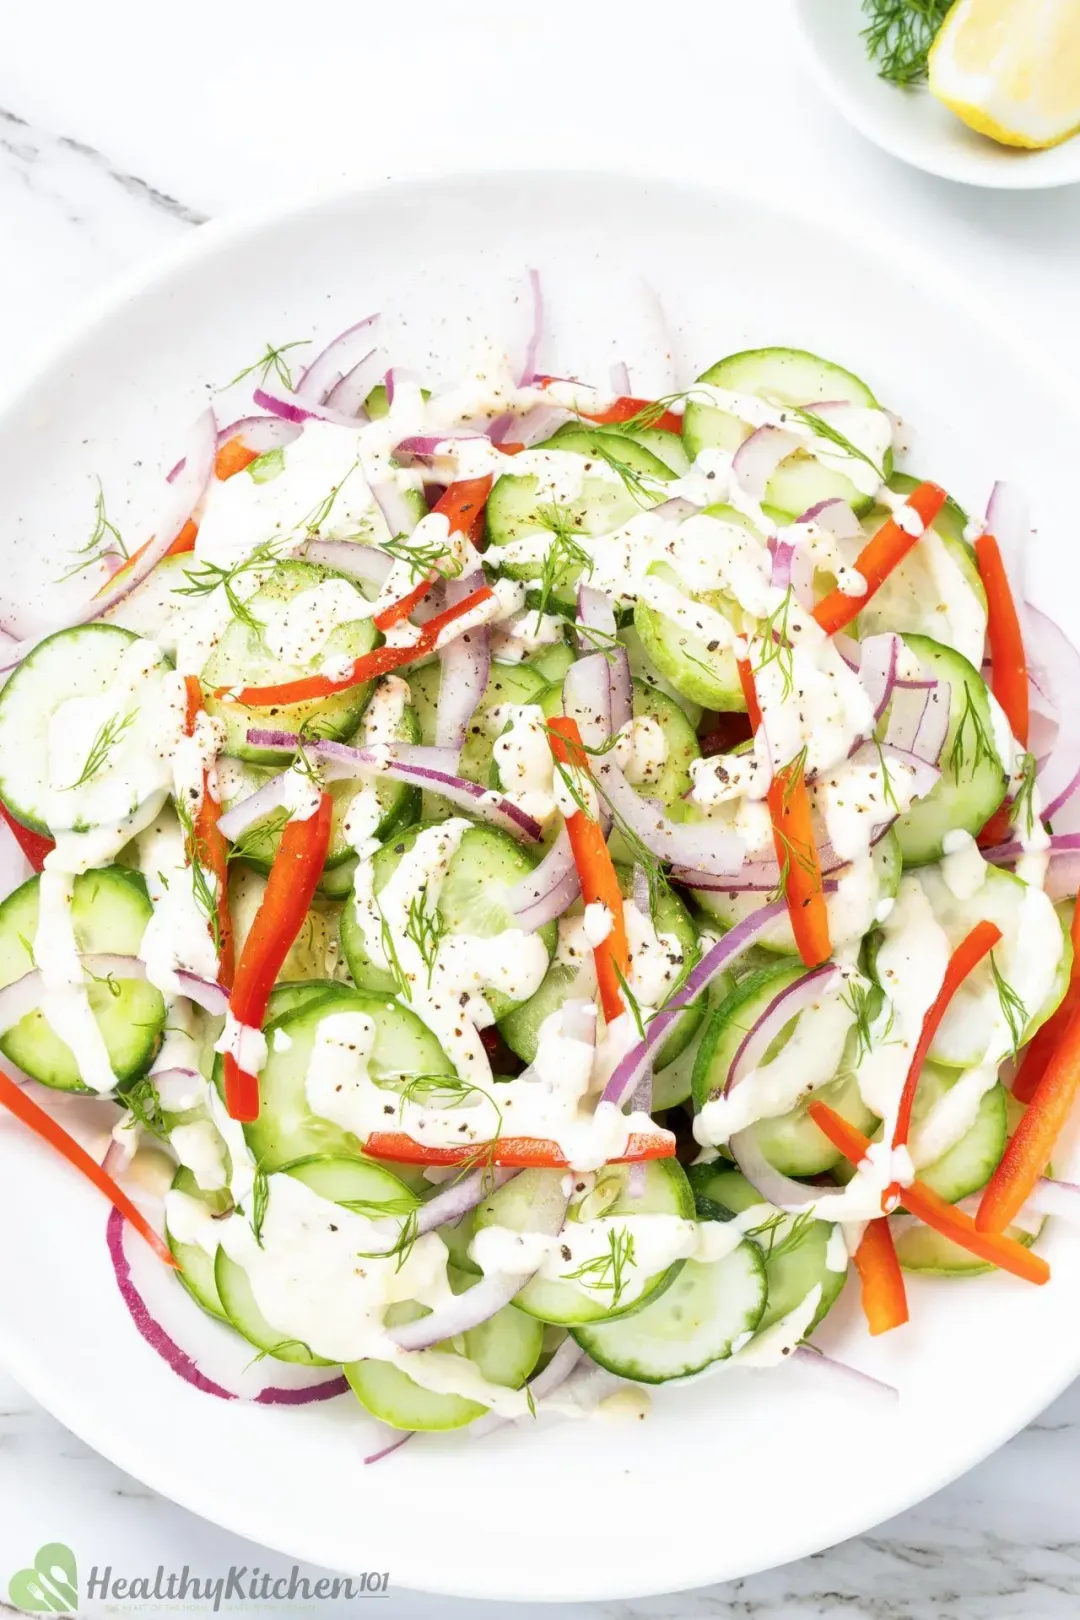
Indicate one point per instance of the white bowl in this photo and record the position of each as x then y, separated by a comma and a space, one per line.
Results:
735, 1472
912, 124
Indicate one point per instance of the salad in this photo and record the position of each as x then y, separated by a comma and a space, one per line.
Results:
551, 882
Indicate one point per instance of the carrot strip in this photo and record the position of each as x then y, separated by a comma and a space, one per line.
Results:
796, 849
966, 957
933, 1210
379, 662
23, 1106
513, 1152
884, 1297
599, 881
1047, 1039
1009, 678
877, 559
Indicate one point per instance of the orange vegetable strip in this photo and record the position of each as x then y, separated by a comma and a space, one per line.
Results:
928, 1207
1009, 678
966, 957
599, 881
1047, 1039
290, 887
626, 407
796, 850
18, 1102
379, 662
877, 559
884, 1297
232, 458
514, 1152
463, 504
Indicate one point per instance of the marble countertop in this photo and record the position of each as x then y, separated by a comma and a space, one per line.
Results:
121, 128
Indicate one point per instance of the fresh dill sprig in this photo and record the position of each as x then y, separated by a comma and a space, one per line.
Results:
426, 928
375, 1209
427, 558
322, 509
776, 1247
206, 577
1013, 1010
1023, 806
965, 753
601, 440
202, 883
777, 645
887, 788
106, 739
143, 1102
393, 960
272, 360
260, 1197
608, 1271
647, 417
105, 539
250, 840
565, 551
602, 641
630, 999
276, 1349
899, 35
858, 996
109, 980
825, 430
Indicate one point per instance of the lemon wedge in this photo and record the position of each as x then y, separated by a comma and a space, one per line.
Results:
1011, 69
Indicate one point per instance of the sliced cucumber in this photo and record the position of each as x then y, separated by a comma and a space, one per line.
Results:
851, 908
783, 377
504, 1350
79, 663
507, 683
399, 802
315, 952
643, 669
708, 1308
196, 1266
666, 447
155, 608
552, 662
936, 591
673, 781
666, 1191
485, 866
241, 658
287, 1129
973, 778
109, 913
791, 1142
920, 1248
972, 1161
291, 997
796, 1252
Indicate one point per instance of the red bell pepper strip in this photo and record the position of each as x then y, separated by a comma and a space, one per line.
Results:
1009, 678
796, 850
1047, 1039
1028, 1152
463, 504
966, 957
366, 668
884, 1297
35, 846
626, 407
290, 887
933, 1210
22, 1105
209, 846
879, 557
511, 1152
599, 881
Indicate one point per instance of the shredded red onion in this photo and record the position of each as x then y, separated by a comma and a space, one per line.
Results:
287, 404
877, 670
704, 846
587, 698
1063, 871
788, 1004
466, 666
595, 612
807, 1356
340, 355
775, 1187
366, 563
532, 350
399, 515
459, 1197
547, 892
392, 1445
758, 457
834, 516
1008, 519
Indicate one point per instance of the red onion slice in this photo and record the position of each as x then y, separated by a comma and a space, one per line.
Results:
834, 516
365, 563
587, 698
273, 794
720, 956
877, 669
399, 514
466, 667
339, 356
1056, 667
545, 1383
814, 986
532, 349
184, 495
24, 995
595, 612
704, 846
776, 1188
1063, 871
391, 1446
259, 433
460, 1197
547, 892
1053, 1197
290, 407
852, 1378
758, 457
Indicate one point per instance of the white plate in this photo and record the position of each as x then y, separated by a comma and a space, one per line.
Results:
734, 1473
913, 124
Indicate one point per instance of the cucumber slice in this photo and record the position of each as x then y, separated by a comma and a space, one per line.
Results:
290, 997
973, 778
155, 608
791, 1142
485, 866
796, 1252
936, 591
972, 1161
851, 909
109, 913
78, 663
673, 782
400, 805
242, 1311
196, 1266
241, 658
666, 447
666, 1191
505, 1349
708, 1308
507, 683
697, 668
642, 668
784, 377
315, 952
920, 1248
287, 1129
552, 662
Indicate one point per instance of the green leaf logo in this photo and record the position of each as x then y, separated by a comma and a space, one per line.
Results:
51, 1586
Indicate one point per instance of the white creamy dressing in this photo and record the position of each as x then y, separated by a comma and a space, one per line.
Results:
296, 631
